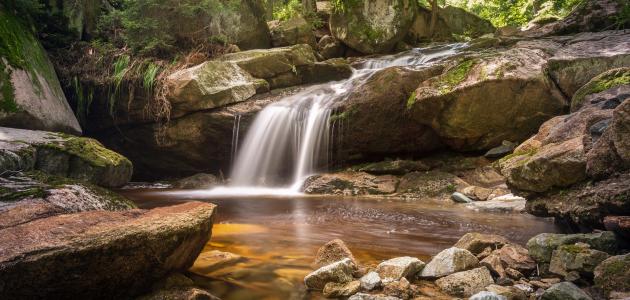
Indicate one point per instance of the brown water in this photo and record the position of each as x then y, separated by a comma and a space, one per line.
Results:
278, 237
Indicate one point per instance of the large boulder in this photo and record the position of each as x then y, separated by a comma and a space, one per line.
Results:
338, 272
587, 55
253, 32
557, 155
541, 247
365, 116
575, 261
373, 26
477, 242
462, 22
613, 273
565, 291
30, 94
400, 267
291, 32
333, 251
208, 85
506, 89
124, 252
63, 155
420, 28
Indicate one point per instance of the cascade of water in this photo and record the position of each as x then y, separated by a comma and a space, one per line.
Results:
235, 131
291, 139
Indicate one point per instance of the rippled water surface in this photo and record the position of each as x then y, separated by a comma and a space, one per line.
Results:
278, 237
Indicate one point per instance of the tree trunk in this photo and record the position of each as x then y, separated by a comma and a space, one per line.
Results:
434, 16
309, 6
269, 10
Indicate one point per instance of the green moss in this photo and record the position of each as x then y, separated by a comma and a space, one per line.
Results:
455, 75
411, 100
87, 149
7, 93
7, 194
573, 249
605, 81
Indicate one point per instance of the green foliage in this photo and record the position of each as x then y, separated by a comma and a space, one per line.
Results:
622, 20
150, 74
83, 101
294, 8
121, 66
343, 5
160, 27
517, 12
455, 76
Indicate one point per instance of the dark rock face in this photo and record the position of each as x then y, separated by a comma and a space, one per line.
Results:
101, 254
366, 122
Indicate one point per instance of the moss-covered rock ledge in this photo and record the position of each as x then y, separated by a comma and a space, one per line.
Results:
63, 155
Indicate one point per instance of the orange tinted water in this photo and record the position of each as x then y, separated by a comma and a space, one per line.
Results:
278, 237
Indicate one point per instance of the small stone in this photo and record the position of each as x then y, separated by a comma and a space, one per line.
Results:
516, 257
477, 242
450, 261
335, 290
540, 284
504, 281
506, 148
477, 193
460, 198
485, 253
619, 296
214, 260
399, 289
565, 291
466, 283
494, 264
509, 292
339, 272
333, 251
505, 203
486, 295
526, 288
397, 268
363, 296
551, 280
370, 281
514, 274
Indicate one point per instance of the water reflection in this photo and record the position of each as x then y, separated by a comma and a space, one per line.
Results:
278, 237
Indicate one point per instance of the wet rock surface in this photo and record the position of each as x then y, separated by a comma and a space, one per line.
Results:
153, 244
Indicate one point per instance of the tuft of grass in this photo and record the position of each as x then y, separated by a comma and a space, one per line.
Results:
149, 77
121, 66
411, 100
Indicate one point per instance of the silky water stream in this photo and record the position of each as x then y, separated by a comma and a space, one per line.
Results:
263, 218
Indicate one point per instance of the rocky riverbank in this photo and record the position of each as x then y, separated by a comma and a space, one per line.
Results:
482, 266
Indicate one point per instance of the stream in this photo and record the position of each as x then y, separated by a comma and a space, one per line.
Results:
278, 237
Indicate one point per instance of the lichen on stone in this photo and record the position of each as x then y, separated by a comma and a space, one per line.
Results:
455, 75
602, 82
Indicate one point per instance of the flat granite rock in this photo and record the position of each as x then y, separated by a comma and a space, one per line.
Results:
110, 254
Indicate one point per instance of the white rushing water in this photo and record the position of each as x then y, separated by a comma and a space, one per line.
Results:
289, 140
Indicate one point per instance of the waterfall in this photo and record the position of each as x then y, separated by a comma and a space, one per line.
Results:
291, 139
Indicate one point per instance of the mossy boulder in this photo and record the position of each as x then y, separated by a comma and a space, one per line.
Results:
253, 32
30, 94
575, 261
602, 82
462, 22
541, 247
65, 155
373, 26
393, 167
292, 32
613, 274
483, 99
209, 85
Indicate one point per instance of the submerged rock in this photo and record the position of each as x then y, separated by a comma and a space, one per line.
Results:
375, 27
338, 272
32, 97
541, 247
467, 283
449, 261
397, 268
565, 291
63, 155
213, 260
138, 246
